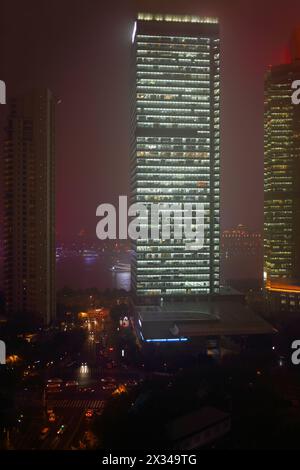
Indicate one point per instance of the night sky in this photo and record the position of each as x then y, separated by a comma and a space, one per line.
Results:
80, 50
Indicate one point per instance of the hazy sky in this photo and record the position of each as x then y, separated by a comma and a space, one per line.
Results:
80, 50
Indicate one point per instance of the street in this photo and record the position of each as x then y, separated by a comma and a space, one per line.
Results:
73, 388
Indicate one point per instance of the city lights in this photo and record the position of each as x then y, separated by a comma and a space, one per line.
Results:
149, 231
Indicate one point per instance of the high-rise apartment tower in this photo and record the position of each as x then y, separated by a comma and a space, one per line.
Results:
29, 207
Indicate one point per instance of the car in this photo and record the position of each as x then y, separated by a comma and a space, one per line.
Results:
131, 383
84, 368
108, 380
53, 387
72, 383
61, 430
44, 433
109, 387
89, 413
52, 418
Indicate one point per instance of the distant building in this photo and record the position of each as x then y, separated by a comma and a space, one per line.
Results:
240, 241
29, 207
176, 147
241, 256
282, 189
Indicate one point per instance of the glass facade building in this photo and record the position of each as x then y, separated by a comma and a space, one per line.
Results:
175, 148
282, 185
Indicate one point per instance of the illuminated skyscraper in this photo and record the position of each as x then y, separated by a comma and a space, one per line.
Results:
29, 205
282, 189
176, 147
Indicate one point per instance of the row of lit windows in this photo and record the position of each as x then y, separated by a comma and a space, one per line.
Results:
185, 39
190, 82
195, 91
152, 53
171, 125
143, 68
151, 98
169, 46
150, 292
160, 61
173, 284
167, 140
171, 157
203, 120
159, 111
162, 173
184, 74
178, 260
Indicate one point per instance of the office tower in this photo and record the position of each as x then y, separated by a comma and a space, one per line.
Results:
29, 207
176, 147
282, 189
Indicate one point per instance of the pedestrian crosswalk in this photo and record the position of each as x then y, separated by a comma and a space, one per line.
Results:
87, 404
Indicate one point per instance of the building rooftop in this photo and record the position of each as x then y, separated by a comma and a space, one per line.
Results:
194, 422
202, 318
177, 18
